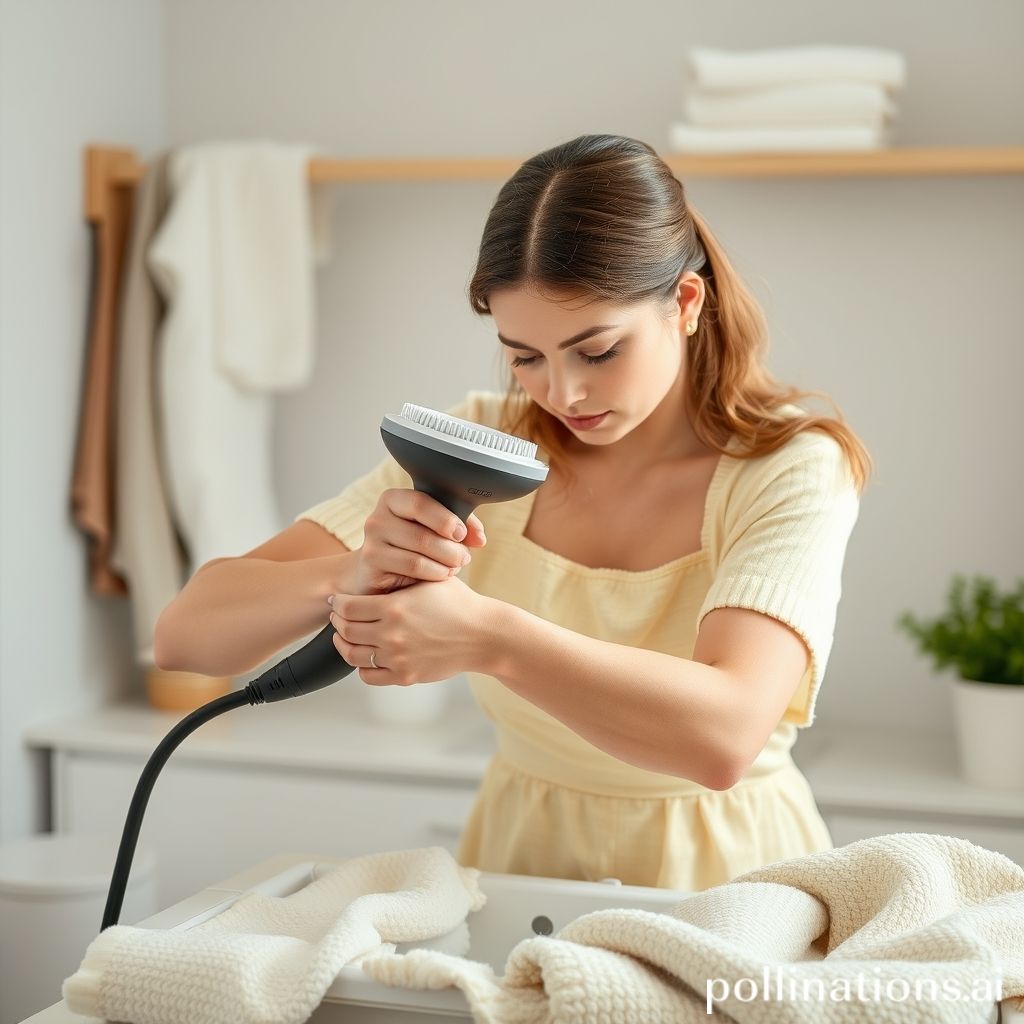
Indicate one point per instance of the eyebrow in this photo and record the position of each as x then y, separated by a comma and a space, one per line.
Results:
574, 340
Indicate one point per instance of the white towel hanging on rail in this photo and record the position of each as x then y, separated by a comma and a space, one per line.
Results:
251, 202
234, 260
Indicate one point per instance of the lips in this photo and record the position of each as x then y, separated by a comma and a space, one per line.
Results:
585, 422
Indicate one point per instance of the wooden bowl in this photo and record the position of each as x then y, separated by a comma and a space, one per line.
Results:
183, 691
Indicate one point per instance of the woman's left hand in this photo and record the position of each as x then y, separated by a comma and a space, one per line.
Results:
419, 634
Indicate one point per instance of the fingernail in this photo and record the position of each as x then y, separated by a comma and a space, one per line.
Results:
460, 532
330, 600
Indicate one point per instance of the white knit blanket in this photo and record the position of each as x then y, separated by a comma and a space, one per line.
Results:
271, 959
903, 928
834, 937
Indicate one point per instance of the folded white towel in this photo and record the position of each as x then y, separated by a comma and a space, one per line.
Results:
836, 104
901, 928
685, 138
752, 69
272, 958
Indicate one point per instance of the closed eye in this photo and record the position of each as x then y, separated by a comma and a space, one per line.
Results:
592, 360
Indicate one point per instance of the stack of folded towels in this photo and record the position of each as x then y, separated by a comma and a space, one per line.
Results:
789, 99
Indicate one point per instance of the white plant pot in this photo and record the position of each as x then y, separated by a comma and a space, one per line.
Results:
989, 726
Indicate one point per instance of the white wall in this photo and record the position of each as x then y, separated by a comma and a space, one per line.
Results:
70, 73
899, 297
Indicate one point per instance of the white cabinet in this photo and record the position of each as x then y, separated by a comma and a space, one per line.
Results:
1006, 839
312, 776
870, 782
209, 820
317, 777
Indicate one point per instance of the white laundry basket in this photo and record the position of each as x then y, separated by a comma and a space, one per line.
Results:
53, 889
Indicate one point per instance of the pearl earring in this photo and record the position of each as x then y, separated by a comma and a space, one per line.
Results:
691, 326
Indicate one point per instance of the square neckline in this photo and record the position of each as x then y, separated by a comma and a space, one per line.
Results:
676, 564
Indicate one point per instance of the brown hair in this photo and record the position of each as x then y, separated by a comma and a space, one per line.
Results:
603, 216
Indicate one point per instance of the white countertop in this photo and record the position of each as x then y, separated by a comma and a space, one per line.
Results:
848, 768
328, 730
897, 770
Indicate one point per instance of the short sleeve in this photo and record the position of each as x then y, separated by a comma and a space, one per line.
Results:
781, 545
345, 514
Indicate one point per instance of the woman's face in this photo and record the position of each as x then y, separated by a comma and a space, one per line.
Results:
621, 363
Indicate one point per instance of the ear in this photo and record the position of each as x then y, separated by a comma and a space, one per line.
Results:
689, 297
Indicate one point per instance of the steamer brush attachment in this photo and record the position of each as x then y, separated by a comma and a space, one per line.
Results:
458, 463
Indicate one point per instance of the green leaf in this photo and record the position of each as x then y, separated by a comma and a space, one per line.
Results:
981, 634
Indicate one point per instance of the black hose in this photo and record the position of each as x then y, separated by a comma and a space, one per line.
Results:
314, 666
133, 823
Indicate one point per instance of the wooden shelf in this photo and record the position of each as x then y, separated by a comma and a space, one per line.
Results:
888, 162
895, 162
110, 167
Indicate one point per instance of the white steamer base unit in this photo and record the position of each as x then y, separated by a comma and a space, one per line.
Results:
518, 907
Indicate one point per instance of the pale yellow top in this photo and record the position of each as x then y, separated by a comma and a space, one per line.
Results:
773, 539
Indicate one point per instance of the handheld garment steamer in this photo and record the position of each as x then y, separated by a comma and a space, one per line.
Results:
458, 463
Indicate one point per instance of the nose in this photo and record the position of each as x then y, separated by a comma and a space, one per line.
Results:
566, 389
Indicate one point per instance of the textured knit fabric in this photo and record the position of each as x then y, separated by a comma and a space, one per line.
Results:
272, 958
774, 536
899, 929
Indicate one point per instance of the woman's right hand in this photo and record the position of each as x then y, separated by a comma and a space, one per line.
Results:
410, 537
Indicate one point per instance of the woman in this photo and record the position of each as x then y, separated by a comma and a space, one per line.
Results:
650, 627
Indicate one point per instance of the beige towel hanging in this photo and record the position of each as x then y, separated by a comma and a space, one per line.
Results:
146, 547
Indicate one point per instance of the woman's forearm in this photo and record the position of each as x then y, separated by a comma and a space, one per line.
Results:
233, 614
652, 710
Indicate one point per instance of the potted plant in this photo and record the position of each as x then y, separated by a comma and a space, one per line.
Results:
981, 636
